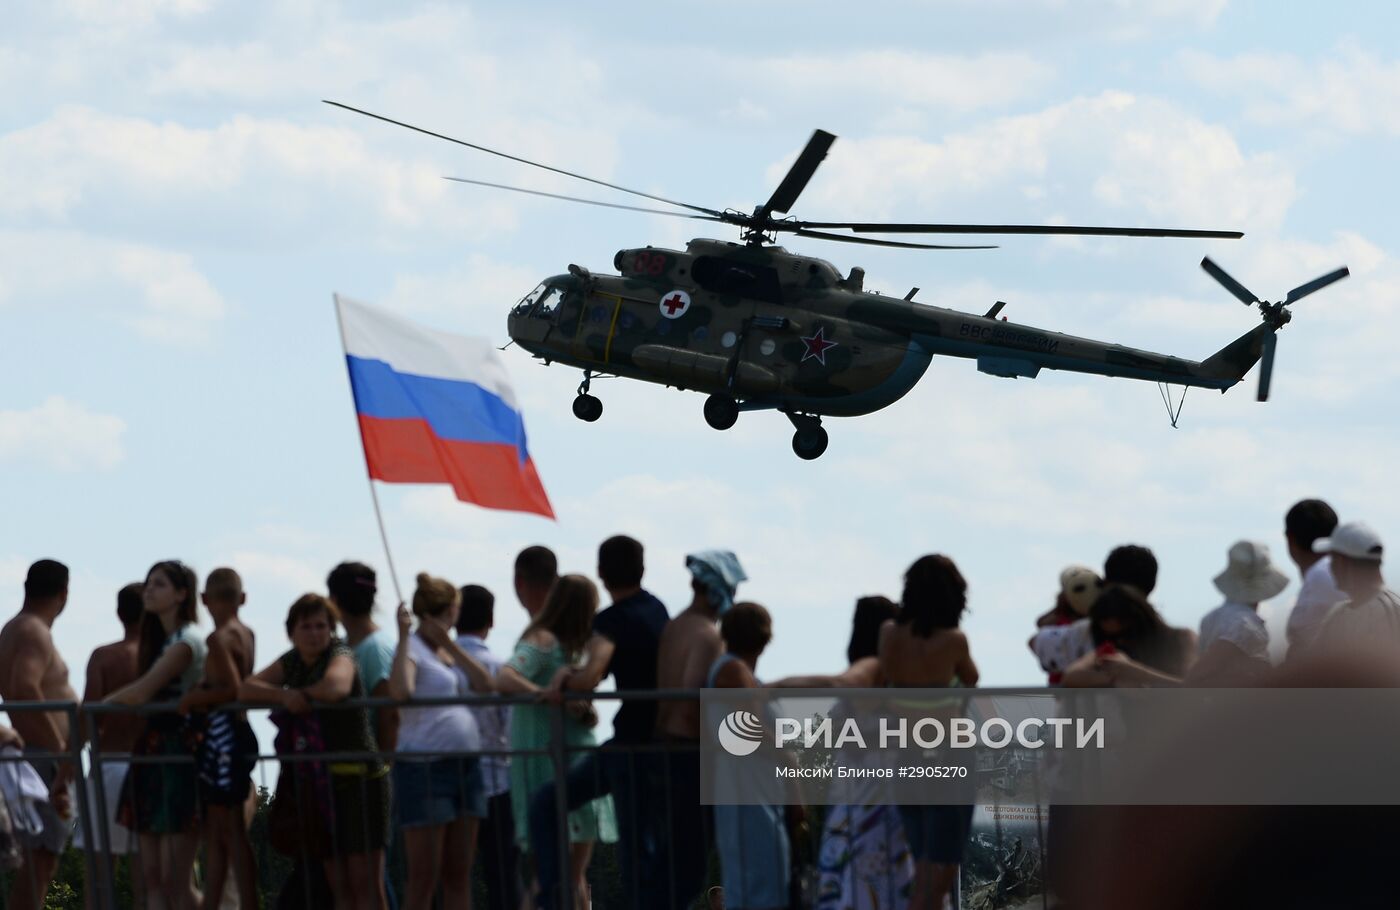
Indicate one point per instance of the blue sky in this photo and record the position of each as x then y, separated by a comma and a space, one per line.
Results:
177, 207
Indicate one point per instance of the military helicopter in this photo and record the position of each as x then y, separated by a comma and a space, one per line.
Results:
756, 327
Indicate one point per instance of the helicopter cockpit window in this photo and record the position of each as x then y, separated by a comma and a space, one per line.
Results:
743, 279
539, 303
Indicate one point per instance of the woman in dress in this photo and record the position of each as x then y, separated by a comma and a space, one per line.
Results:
321, 668
924, 648
553, 640
440, 801
161, 803
864, 860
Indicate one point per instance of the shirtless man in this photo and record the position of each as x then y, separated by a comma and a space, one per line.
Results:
690, 644
31, 670
111, 667
228, 751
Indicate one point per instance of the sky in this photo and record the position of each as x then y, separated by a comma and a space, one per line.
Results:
177, 208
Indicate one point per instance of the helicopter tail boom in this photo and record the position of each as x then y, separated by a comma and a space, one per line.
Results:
1239, 356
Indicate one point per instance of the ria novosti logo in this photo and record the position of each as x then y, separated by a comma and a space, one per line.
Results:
740, 733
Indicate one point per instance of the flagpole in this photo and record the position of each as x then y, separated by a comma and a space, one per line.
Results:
373, 493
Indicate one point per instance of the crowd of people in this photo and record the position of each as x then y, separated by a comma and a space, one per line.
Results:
475, 782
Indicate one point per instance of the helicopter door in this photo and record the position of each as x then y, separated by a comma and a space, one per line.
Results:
594, 320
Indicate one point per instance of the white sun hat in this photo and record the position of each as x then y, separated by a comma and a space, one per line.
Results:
1251, 577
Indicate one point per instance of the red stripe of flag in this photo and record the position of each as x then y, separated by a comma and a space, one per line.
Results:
488, 474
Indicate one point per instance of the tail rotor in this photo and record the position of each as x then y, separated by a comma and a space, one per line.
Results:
1276, 315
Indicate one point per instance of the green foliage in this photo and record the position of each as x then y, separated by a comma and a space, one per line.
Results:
62, 897
273, 867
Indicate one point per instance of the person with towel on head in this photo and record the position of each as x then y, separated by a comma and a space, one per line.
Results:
690, 644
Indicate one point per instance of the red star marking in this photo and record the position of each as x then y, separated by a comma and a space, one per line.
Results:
675, 303
817, 346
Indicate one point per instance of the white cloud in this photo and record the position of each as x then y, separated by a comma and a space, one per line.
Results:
159, 293
248, 177
62, 434
477, 293
12, 572
1353, 90
924, 80
1136, 157
277, 572
129, 12
746, 111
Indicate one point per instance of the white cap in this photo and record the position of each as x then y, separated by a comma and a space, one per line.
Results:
1354, 539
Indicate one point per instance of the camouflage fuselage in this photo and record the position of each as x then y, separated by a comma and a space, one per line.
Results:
776, 330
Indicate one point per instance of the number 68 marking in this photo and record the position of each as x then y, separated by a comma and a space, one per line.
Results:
649, 263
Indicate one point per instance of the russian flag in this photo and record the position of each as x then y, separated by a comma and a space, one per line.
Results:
437, 408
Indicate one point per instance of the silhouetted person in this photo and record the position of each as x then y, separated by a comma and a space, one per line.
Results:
228, 749
862, 660
1368, 621
500, 857
1059, 647
32, 670
1234, 642
162, 801
536, 571
689, 646
1131, 564
352, 587
625, 642
924, 648
754, 853
110, 667
1305, 523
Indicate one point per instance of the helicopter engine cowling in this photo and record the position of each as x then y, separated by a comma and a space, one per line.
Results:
694, 370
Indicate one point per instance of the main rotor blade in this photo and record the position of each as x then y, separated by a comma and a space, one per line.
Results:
609, 205
1244, 294
801, 171
482, 148
1266, 367
870, 241
914, 228
1316, 284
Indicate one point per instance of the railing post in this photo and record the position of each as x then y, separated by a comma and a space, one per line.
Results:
107, 873
560, 757
75, 752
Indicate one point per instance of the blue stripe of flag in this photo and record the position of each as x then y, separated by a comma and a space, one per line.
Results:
453, 409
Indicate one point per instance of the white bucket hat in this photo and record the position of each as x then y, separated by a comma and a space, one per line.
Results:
1251, 577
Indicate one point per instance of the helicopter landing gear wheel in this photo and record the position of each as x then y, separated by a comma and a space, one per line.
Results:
809, 443
587, 407
810, 440
721, 411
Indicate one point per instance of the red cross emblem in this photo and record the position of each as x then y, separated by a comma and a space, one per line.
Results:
817, 346
674, 304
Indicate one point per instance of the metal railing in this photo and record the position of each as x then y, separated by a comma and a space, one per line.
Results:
101, 864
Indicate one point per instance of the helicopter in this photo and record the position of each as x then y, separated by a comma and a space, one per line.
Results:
755, 327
